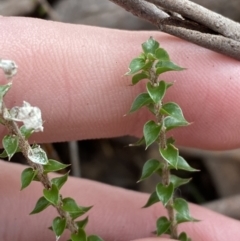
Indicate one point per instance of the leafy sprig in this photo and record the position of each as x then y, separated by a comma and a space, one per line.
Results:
149, 65
17, 141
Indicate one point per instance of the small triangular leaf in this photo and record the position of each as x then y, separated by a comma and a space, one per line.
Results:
170, 123
79, 236
165, 66
183, 165
54, 166
136, 65
138, 77
27, 176
58, 226
162, 54
41, 204
164, 192
82, 223
37, 155
151, 200
163, 224
150, 167
10, 144
94, 238
183, 237
59, 181
174, 110
140, 101
3, 154
150, 46
71, 206
156, 92
151, 131
170, 154
52, 195
181, 206
177, 181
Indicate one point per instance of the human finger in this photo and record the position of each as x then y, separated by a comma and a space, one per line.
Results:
75, 73
116, 213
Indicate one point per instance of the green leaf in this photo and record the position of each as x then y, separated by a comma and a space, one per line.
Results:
136, 65
170, 123
26, 132
52, 195
54, 166
151, 108
151, 131
41, 204
150, 46
170, 154
140, 101
177, 181
152, 199
3, 154
139, 142
82, 223
4, 89
156, 92
10, 144
183, 165
150, 167
162, 54
58, 226
59, 181
137, 77
181, 206
75, 215
27, 176
37, 155
174, 110
80, 236
165, 66
163, 224
183, 237
94, 238
164, 192
71, 206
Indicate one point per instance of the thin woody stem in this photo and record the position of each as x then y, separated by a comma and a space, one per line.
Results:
189, 21
43, 178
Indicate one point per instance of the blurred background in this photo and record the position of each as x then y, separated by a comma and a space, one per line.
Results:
110, 160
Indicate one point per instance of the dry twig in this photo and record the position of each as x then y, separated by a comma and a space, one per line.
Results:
189, 21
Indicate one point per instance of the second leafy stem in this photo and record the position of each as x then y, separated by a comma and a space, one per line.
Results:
152, 62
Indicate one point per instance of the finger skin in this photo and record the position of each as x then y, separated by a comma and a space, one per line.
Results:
116, 215
75, 74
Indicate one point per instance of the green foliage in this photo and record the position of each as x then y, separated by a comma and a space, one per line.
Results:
141, 100
152, 199
151, 131
52, 195
60, 181
53, 166
10, 145
152, 62
94, 238
41, 204
27, 176
40, 166
79, 236
164, 192
151, 166
163, 225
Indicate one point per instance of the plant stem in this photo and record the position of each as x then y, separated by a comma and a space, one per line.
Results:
43, 178
165, 171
